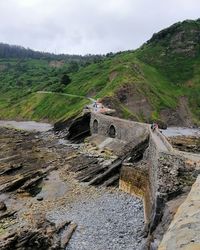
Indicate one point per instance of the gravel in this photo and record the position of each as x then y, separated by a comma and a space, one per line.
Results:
111, 220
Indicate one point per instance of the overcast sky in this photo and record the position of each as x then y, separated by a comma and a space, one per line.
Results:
89, 26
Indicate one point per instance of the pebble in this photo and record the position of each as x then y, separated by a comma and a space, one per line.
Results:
2, 206
40, 198
111, 221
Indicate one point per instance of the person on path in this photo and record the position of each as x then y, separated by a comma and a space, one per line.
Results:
95, 106
154, 126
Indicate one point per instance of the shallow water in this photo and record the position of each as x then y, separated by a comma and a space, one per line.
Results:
27, 125
181, 131
53, 187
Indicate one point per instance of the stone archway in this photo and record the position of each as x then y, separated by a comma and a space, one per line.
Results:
112, 131
95, 127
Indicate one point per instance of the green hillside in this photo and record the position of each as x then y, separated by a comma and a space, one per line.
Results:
159, 81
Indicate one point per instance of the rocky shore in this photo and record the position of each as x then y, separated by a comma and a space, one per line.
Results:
44, 206
186, 143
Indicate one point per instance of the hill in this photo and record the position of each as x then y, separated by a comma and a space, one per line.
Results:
18, 52
159, 81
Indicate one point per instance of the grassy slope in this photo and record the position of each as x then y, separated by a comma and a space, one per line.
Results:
161, 79
19, 82
175, 53
91, 81
46, 107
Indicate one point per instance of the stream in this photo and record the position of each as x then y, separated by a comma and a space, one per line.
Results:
181, 131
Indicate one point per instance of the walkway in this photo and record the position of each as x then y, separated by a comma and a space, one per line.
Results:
94, 106
64, 94
160, 144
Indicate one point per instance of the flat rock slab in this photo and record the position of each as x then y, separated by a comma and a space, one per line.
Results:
184, 231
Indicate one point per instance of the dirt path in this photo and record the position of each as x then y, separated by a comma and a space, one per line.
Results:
161, 146
65, 94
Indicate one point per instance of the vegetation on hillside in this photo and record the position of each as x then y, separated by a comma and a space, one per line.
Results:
142, 85
14, 51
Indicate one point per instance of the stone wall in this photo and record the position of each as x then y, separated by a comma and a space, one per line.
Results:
158, 178
134, 180
125, 130
162, 174
161, 177
164, 140
166, 171
151, 157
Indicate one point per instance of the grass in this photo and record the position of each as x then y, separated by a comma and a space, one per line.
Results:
46, 107
156, 70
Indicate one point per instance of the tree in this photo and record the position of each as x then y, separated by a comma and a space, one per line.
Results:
73, 67
65, 79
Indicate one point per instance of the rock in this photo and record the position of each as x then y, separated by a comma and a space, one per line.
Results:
40, 198
185, 228
186, 143
28, 239
79, 129
2, 206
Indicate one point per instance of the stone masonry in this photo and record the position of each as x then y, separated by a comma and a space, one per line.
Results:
163, 172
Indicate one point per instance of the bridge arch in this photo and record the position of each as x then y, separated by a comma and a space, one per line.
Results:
112, 131
95, 126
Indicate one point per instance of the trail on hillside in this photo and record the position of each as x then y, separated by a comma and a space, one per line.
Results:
65, 94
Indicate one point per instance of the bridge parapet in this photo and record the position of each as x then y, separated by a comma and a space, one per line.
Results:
109, 126
163, 172
164, 140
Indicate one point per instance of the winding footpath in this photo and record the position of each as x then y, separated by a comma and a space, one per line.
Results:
64, 94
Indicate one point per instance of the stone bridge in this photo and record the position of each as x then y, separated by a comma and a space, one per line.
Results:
161, 174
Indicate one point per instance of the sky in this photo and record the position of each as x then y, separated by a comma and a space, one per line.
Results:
89, 26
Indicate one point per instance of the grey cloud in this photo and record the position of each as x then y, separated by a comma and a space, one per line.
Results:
88, 26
